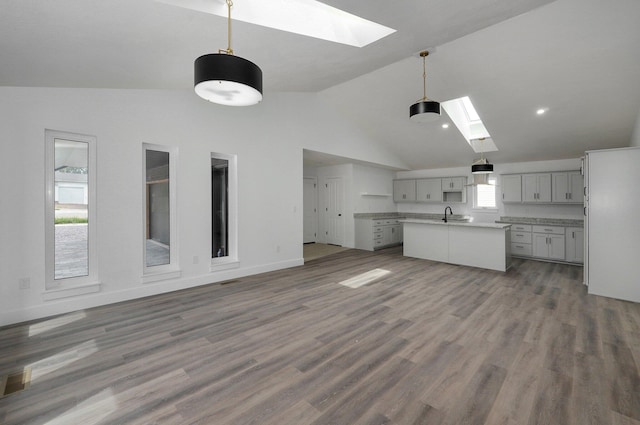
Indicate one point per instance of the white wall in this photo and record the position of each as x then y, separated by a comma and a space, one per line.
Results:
518, 210
268, 139
372, 181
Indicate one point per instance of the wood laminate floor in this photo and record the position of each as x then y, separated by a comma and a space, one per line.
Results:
424, 343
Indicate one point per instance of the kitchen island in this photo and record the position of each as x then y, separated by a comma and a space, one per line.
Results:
484, 245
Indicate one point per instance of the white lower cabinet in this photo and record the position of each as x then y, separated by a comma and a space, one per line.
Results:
556, 243
548, 242
521, 240
376, 234
574, 244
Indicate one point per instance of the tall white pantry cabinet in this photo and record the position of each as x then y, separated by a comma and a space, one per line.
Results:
612, 223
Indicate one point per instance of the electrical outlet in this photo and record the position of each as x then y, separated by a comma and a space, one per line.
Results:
24, 283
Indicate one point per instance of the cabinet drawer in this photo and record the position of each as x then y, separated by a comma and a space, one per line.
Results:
392, 221
377, 236
521, 237
521, 227
377, 229
377, 242
378, 223
556, 230
523, 249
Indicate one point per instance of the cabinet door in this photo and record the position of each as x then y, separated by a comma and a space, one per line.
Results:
429, 190
512, 188
452, 184
387, 235
544, 188
536, 188
556, 247
540, 245
530, 188
576, 187
396, 236
574, 245
560, 187
404, 190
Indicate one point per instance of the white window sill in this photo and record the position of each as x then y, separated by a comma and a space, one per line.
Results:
219, 264
70, 291
486, 210
161, 275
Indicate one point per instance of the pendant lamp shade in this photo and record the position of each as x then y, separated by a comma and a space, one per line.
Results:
482, 167
424, 110
228, 80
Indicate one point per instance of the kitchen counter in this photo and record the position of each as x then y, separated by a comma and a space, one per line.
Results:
402, 215
542, 221
455, 222
484, 245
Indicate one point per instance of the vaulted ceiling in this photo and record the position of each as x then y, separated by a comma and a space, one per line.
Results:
578, 58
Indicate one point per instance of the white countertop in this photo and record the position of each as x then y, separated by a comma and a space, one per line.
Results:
457, 223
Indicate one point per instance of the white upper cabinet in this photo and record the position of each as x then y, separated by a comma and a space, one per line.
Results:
568, 187
429, 190
512, 188
404, 190
536, 187
453, 184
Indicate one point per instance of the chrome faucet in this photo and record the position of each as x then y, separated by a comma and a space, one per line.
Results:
445, 213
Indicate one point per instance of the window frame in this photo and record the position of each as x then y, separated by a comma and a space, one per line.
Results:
231, 260
172, 269
77, 285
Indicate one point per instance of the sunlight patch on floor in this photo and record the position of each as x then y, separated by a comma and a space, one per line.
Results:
47, 325
89, 412
59, 360
364, 278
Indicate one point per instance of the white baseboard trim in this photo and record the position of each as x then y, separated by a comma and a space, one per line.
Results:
81, 302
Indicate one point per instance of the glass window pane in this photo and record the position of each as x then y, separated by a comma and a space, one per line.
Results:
158, 232
71, 203
219, 207
486, 195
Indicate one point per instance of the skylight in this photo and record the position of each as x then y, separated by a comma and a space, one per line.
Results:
471, 112
466, 118
305, 17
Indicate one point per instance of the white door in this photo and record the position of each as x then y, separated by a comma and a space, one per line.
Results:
334, 205
310, 215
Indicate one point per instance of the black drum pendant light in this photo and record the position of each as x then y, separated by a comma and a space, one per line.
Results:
227, 79
482, 166
424, 110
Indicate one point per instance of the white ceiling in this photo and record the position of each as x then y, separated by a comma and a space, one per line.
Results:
579, 58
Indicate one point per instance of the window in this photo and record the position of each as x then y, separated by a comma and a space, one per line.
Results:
485, 194
70, 239
224, 230
160, 232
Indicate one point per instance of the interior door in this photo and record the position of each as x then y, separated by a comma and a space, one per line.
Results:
310, 215
334, 205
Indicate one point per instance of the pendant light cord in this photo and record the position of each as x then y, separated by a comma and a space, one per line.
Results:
228, 50
424, 75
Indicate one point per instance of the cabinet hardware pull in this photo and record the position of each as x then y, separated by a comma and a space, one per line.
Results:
573, 235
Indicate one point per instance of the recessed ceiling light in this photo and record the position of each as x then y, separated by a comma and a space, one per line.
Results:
445, 125
541, 111
305, 17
